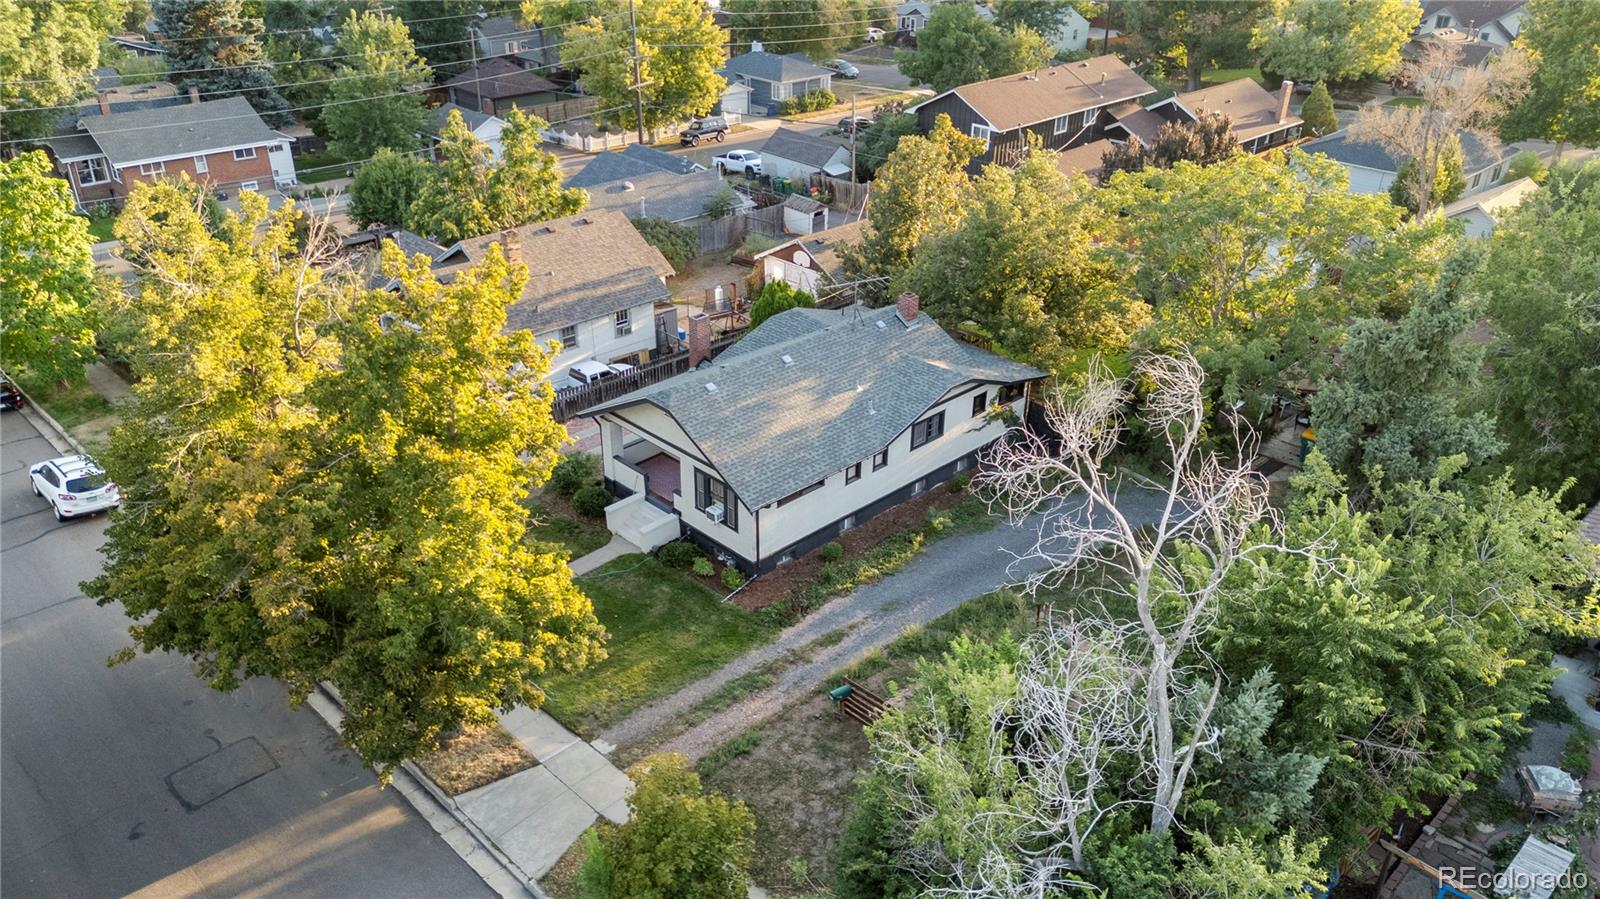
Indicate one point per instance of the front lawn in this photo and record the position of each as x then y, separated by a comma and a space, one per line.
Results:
1223, 76
666, 632
313, 168
554, 521
1404, 102
70, 405
100, 228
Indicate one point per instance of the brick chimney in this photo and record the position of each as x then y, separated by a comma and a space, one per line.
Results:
699, 338
105, 103
194, 93
511, 242
907, 306
1284, 93
488, 105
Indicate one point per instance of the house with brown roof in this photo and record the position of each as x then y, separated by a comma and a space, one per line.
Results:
1260, 120
593, 283
495, 85
1065, 106
1494, 21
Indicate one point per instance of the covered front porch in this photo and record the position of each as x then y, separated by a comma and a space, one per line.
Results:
648, 481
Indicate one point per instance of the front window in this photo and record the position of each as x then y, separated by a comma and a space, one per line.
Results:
853, 473
200, 166
927, 430
1063, 124
93, 171
880, 459
153, 168
711, 494
569, 337
1010, 393
246, 153
983, 133
980, 404
624, 324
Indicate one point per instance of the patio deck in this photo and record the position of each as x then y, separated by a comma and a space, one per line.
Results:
665, 476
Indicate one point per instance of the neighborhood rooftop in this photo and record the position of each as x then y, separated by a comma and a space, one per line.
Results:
631, 162
1013, 101
811, 391
1338, 146
773, 67
472, 117
1250, 109
659, 194
797, 146
579, 268
499, 77
189, 129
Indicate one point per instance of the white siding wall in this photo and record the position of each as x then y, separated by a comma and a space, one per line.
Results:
1368, 181
598, 340
798, 275
1476, 221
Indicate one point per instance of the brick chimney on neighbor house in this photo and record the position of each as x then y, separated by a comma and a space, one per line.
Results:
511, 242
105, 103
907, 306
194, 94
699, 338
1284, 94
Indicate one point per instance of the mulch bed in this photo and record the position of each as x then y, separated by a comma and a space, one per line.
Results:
792, 576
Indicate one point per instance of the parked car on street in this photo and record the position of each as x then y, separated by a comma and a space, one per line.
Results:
10, 396
844, 68
874, 35
590, 372
74, 486
854, 123
714, 127
747, 161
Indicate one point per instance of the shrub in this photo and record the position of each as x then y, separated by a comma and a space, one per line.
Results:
703, 567
595, 872
732, 578
573, 473
722, 203
808, 102
778, 297
1527, 164
832, 551
1317, 112
679, 244
591, 501
679, 840
1575, 756
960, 482
680, 555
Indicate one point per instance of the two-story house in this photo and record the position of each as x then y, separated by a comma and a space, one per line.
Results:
1065, 106
223, 143
813, 423
593, 283
1259, 120
504, 36
1494, 21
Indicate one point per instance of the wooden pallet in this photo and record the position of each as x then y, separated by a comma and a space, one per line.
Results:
862, 704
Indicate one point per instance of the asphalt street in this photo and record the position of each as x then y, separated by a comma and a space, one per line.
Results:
139, 779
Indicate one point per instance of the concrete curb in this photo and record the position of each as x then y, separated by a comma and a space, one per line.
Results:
442, 814
52, 430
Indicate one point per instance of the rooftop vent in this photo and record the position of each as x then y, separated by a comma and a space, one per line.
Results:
880, 324
627, 186
711, 387
787, 359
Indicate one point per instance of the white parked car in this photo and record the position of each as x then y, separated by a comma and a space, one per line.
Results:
590, 372
73, 485
874, 35
747, 161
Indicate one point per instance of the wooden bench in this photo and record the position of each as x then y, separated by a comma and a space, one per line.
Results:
857, 702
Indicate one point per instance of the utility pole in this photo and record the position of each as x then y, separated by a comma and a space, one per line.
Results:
638, 83
854, 127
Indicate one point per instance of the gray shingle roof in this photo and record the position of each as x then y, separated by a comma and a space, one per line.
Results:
658, 194
499, 78
772, 67
1013, 101
472, 117
633, 161
806, 149
502, 26
184, 130
772, 428
579, 268
1476, 154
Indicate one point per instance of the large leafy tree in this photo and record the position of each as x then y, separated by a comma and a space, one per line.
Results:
680, 50
1562, 38
817, 28
1537, 286
323, 482
680, 841
958, 46
1448, 181
1043, 16
1398, 401
470, 194
920, 193
215, 46
1259, 262
299, 54
48, 52
47, 282
1026, 264
385, 188
440, 28
377, 101
1334, 40
1199, 32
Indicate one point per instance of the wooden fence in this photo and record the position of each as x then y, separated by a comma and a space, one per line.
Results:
847, 196
767, 221
720, 234
570, 401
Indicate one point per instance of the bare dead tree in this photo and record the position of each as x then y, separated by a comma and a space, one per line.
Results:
1154, 583
1455, 98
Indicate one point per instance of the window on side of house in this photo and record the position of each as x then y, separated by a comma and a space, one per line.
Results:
1063, 124
1010, 393
708, 492
200, 165
983, 133
927, 430
568, 337
852, 474
250, 185
980, 403
246, 153
93, 171
624, 324
153, 168
880, 459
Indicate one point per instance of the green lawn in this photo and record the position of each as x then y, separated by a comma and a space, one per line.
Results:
666, 631
69, 406
551, 524
1405, 101
1222, 76
100, 228
313, 168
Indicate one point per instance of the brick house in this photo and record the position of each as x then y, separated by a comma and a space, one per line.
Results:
222, 143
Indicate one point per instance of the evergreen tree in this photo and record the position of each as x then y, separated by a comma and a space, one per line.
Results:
776, 297
377, 101
215, 46
1317, 112
47, 286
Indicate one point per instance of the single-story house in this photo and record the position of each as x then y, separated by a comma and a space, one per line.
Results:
223, 143
1480, 213
813, 423
912, 17
735, 99
1064, 106
678, 198
1372, 169
1071, 31
773, 78
484, 127
1495, 21
1259, 120
503, 36
632, 161
593, 283
495, 85
797, 156
810, 263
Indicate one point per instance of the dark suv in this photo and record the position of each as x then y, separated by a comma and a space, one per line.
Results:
715, 128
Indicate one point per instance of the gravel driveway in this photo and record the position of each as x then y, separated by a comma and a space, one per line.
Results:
948, 574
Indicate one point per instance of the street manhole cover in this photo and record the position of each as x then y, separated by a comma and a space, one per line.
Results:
227, 769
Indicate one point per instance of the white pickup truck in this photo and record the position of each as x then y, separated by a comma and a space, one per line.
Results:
747, 161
